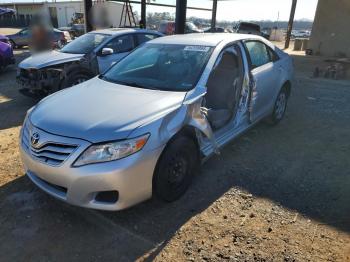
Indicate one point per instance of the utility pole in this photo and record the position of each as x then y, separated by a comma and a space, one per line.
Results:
290, 24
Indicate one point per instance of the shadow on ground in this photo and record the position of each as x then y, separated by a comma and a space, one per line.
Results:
13, 105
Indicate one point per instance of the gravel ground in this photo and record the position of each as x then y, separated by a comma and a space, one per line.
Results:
275, 194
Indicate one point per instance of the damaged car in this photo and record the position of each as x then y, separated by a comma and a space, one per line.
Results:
143, 128
79, 60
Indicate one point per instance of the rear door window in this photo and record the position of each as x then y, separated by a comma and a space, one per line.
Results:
259, 53
142, 38
122, 44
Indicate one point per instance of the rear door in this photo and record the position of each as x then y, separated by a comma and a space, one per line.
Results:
121, 45
265, 78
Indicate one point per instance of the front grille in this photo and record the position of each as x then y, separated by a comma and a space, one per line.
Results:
52, 153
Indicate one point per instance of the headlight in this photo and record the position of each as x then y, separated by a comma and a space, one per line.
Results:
111, 151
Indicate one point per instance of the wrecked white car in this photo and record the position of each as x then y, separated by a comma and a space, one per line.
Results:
78, 61
144, 127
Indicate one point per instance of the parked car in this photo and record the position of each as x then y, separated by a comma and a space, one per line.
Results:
216, 30
75, 30
168, 28
6, 52
300, 34
78, 61
23, 38
144, 126
250, 28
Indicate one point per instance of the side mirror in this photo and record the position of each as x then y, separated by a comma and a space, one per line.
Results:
107, 51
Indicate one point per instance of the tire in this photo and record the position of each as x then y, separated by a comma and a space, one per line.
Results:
175, 169
280, 107
2, 65
60, 44
13, 44
73, 79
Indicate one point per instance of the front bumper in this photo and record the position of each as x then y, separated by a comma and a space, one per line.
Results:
42, 81
131, 177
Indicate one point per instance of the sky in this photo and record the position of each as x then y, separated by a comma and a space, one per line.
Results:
235, 10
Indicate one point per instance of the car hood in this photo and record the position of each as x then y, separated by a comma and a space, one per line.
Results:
99, 111
48, 59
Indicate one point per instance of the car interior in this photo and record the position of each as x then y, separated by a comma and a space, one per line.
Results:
224, 88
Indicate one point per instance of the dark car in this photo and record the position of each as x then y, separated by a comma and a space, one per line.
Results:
250, 28
6, 52
23, 38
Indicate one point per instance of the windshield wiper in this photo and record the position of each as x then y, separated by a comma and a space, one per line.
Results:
134, 84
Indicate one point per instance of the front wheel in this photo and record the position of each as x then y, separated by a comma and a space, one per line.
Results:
175, 169
13, 45
74, 79
280, 106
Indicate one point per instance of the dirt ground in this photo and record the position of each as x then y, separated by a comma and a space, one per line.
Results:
275, 194
9, 31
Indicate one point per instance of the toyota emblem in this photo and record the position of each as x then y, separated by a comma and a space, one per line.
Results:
34, 139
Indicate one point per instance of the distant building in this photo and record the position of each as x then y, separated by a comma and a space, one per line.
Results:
61, 13
330, 34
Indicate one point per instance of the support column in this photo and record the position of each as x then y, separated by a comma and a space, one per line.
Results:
290, 24
143, 14
180, 19
213, 15
87, 8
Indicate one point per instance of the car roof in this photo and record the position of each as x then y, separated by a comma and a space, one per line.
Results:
117, 31
206, 39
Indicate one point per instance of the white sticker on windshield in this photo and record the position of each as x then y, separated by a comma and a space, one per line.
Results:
197, 48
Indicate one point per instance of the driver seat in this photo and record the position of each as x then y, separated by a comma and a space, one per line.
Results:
220, 99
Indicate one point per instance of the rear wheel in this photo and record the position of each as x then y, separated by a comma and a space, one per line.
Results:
175, 169
280, 106
13, 44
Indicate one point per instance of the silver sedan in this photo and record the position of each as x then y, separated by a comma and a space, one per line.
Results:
144, 127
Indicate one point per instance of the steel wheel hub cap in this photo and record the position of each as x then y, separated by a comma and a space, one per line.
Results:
280, 106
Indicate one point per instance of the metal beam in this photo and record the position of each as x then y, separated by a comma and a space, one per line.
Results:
143, 14
213, 15
180, 17
163, 5
290, 24
87, 15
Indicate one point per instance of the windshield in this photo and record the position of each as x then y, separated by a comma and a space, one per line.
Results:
84, 44
161, 66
